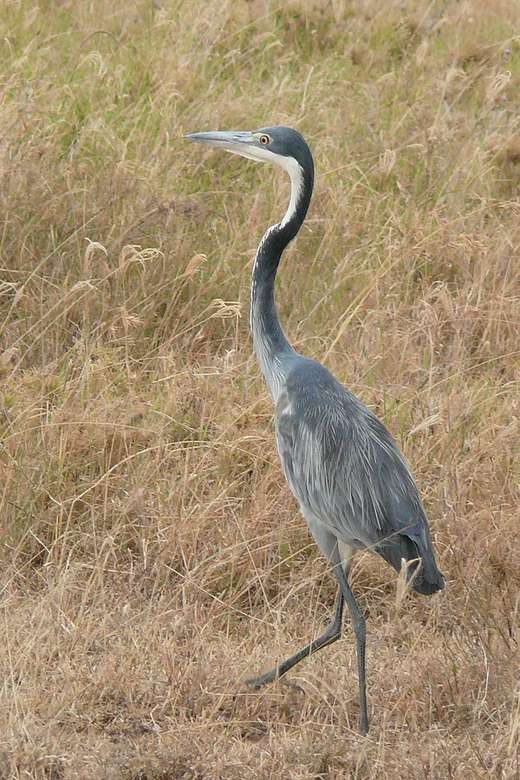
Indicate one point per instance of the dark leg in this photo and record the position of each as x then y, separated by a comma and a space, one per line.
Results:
330, 635
358, 623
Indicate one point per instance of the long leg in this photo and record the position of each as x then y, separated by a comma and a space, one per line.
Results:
330, 635
340, 556
359, 625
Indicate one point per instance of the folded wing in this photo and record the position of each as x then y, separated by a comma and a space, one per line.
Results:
344, 467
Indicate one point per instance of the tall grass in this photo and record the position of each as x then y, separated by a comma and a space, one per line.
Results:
152, 553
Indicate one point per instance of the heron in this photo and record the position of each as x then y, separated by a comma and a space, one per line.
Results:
352, 483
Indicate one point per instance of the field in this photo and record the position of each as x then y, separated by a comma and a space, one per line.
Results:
152, 554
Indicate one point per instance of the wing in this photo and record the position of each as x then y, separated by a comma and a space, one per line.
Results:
344, 467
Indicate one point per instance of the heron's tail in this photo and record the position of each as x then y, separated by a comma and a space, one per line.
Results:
414, 546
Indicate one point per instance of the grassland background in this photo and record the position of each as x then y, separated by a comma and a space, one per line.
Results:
152, 555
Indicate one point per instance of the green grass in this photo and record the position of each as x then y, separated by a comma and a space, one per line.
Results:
152, 553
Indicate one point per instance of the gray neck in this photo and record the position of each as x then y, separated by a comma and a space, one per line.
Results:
273, 351
270, 342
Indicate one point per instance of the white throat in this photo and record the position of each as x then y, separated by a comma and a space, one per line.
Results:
289, 164
295, 171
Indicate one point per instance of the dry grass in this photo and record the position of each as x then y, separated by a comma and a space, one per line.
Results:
152, 554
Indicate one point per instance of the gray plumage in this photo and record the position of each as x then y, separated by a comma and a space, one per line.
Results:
351, 481
353, 485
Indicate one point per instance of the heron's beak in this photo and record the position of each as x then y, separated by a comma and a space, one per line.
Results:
243, 143
226, 140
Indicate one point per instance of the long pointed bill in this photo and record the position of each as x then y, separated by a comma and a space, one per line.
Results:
226, 140
237, 142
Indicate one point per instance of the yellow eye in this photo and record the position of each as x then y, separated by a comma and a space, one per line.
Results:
264, 139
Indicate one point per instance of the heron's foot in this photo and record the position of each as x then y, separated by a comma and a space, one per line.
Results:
258, 682
264, 679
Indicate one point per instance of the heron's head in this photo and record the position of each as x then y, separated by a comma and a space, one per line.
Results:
282, 146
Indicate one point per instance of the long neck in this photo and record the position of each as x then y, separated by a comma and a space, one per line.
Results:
270, 342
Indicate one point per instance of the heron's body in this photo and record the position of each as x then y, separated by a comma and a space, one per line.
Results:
342, 465
353, 486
